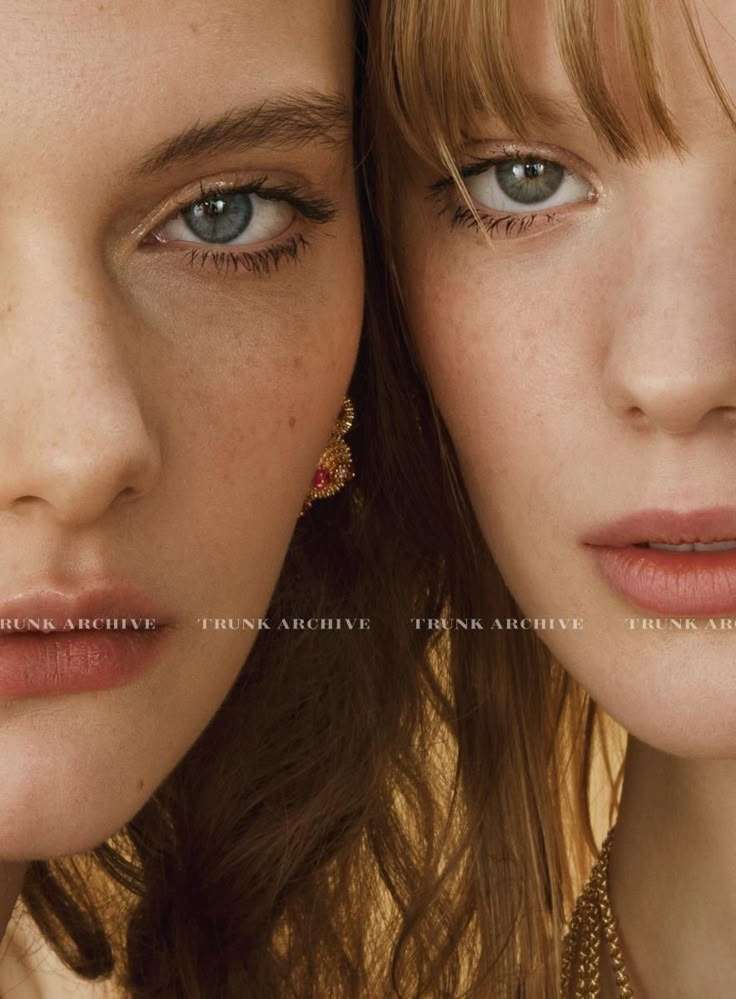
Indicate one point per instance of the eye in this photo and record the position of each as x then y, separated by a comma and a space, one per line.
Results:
226, 217
524, 183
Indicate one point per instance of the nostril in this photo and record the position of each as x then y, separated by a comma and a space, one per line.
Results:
728, 413
128, 493
22, 505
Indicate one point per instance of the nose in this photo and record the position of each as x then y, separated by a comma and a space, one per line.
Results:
670, 361
74, 442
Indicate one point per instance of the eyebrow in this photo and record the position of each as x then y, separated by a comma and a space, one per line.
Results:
283, 121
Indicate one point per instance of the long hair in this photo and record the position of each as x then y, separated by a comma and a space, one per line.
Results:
293, 850
530, 746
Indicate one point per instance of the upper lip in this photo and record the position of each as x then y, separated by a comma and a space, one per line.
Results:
108, 600
668, 527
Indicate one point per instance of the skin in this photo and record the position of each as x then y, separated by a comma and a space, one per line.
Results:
613, 330
159, 422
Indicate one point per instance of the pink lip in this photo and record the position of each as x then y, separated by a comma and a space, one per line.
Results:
57, 643
668, 527
676, 583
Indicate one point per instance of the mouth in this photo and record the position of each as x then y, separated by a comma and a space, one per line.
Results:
707, 529
670, 562
95, 639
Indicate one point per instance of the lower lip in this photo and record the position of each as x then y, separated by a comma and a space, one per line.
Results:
33, 664
684, 584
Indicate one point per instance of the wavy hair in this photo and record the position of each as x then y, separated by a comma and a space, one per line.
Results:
293, 851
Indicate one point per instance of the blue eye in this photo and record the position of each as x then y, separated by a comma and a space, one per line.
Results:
525, 182
223, 217
220, 218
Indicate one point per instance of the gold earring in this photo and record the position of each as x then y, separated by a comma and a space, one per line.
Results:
335, 466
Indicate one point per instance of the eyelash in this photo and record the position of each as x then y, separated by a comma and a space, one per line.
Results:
503, 226
258, 262
463, 216
317, 210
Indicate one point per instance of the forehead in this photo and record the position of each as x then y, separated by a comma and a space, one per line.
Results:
88, 62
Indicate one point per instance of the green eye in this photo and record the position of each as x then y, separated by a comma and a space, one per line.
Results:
526, 182
530, 180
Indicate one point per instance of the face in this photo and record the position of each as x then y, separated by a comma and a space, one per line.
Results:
180, 307
585, 364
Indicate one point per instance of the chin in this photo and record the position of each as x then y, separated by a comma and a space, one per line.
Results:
63, 810
700, 738
50, 835
678, 700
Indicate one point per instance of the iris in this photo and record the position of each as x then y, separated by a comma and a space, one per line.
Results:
529, 180
221, 218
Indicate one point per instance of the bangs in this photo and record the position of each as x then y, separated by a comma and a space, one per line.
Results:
441, 64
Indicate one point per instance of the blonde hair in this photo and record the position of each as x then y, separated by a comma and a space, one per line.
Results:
439, 62
528, 740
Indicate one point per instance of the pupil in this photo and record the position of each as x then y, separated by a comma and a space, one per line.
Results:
220, 218
532, 170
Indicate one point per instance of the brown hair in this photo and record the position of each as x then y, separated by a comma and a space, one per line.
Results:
290, 851
526, 736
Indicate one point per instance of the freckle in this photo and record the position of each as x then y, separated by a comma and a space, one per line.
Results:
141, 782
194, 28
297, 363
292, 422
9, 309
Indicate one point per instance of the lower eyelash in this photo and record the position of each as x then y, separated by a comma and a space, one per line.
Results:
498, 225
260, 262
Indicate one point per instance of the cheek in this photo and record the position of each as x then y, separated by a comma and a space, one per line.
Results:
511, 346
253, 413
508, 371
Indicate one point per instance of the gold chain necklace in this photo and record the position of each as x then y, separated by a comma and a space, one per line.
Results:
593, 921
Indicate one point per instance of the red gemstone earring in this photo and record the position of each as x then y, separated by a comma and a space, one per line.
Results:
335, 466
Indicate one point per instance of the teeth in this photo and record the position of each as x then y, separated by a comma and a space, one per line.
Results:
697, 546
671, 548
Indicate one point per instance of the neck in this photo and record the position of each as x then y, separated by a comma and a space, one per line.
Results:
12, 874
673, 874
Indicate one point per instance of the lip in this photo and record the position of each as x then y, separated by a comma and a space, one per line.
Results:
688, 584
668, 527
54, 642
105, 601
